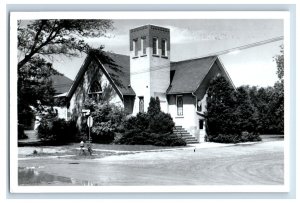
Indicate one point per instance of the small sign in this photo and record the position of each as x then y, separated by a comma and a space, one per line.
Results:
90, 121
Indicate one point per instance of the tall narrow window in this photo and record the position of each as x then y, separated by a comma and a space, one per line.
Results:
141, 104
179, 105
135, 48
143, 45
164, 47
199, 106
155, 46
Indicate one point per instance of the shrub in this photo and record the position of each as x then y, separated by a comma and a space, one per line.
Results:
151, 128
154, 107
21, 133
140, 121
235, 138
57, 131
108, 120
250, 137
133, 137
224, 138
103, 132
26, 117
168, 139
138, 137
161, 123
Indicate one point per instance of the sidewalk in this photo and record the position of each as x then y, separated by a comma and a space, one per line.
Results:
61, 151
203, 145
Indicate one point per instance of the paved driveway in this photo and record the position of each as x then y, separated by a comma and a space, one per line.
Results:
245, 164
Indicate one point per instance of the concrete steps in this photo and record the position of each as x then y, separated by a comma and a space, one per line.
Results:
181, 132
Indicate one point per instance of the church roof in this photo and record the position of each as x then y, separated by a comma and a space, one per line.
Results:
188, 74
118, 72
123, 76
61, 83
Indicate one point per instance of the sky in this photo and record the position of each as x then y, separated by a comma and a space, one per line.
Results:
196, 38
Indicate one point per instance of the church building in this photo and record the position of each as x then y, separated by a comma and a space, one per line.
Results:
130, 81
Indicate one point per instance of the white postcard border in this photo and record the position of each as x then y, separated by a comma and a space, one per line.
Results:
15, 188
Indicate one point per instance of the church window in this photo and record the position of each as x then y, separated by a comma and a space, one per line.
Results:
164, 47
95, 91
135, 47
143, 45
199, 106
179, 105
155, 46
141, 104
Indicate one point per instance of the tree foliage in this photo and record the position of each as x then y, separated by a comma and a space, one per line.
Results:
279, 89
220, 107
245, 112
39, 40
248, 109
108, 120
154, 128
154, 107
53, 130
34, 89
231, 116
270, 108
279, 59
52, 37
252, 109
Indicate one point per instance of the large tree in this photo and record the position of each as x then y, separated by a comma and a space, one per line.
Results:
34, 89
246, 112
279, 90
220, 107
279, 59
41, 40
51, 37
230, 115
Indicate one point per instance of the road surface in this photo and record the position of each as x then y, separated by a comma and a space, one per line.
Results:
245, 164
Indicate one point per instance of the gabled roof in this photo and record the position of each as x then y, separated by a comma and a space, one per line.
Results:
117, 72
61, 83
188, 74
123, 76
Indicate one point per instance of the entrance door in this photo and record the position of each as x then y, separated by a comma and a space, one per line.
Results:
201, 126
202, 132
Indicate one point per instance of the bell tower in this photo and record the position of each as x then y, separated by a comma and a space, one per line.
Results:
149, 65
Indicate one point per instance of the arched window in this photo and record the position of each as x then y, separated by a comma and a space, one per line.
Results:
141, 104
95, 91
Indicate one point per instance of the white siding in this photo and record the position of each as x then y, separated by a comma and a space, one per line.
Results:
189, 118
